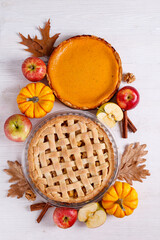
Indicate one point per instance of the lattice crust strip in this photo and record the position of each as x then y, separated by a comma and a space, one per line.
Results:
71, 159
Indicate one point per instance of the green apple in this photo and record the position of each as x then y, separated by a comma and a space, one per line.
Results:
92, 214
109, 114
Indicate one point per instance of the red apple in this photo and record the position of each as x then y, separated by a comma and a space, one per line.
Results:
127, 98
64, 217
34, 69
17, 127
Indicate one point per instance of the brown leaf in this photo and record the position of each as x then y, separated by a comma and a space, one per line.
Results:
131, 168
33, 47
17, 190
21, 185
40, 47
15, 171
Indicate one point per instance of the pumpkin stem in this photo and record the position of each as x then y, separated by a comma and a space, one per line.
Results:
120, 202
33, 99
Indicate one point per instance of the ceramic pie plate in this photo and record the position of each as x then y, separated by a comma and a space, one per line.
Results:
25, 164
84, 72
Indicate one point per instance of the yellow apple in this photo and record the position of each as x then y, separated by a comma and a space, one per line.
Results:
109, 114
92, 214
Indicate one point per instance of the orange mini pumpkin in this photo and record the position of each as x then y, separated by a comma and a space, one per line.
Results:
35, 100
120, 200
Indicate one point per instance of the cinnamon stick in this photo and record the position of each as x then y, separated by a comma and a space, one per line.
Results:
37, 206
43, 212
131, 126
125, 125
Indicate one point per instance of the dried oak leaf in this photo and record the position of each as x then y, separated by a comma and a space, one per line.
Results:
21, 185
40, 47
131, 168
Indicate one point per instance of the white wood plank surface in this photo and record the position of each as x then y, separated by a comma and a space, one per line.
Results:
133, 28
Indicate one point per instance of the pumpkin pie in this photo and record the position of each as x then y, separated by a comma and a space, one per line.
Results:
84, 71
71, 159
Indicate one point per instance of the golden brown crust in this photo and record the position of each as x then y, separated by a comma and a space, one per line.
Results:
31, 159
119, 73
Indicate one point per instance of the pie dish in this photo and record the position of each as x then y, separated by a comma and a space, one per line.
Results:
84, 72
71, 159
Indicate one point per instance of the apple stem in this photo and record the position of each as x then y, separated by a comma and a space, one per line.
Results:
16, 125
65, 219
33, 99
32, 67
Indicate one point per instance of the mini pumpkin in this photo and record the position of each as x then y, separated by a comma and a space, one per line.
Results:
35, 100
120, 200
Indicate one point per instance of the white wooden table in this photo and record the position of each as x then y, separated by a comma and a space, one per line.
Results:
133, 28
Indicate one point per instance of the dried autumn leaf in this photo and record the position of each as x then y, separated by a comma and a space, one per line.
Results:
131, 168
21, 185
33, 47
40, 47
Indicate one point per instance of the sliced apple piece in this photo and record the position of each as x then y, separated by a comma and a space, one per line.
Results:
103, 117
114, 111
86, 211
97, 219
92, 214
109, 114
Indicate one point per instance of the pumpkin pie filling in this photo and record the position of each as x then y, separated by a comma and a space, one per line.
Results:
84, 71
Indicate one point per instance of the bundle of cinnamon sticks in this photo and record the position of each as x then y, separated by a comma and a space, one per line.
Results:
40, 206
127, 123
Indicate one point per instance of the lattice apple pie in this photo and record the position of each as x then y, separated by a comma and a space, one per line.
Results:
71, 159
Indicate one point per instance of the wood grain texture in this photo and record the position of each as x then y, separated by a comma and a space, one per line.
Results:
133, 28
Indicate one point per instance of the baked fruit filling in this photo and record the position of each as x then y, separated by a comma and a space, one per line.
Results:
81, 143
